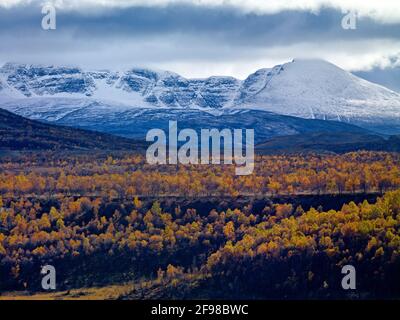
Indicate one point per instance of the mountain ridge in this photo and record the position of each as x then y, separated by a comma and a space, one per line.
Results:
336, 142
309, 89
21, 134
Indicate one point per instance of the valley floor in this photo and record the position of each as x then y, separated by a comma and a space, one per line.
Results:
104, 293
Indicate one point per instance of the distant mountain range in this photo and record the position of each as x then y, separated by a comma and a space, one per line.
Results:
21, 134
130, 102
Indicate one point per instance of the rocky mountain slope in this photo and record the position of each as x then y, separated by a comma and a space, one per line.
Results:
309, 89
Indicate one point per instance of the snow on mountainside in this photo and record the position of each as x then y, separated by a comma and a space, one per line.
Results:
135, 88
318, 89
311, 89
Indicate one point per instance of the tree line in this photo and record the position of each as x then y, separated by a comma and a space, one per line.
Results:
130, 175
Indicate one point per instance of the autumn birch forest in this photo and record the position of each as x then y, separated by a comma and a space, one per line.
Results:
102, 219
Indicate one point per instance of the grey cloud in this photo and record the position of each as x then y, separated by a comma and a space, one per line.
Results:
223, 38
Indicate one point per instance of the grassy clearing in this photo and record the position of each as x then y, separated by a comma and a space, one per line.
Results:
105, 293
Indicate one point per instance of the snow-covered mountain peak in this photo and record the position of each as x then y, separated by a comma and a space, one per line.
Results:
302, 88
319, 89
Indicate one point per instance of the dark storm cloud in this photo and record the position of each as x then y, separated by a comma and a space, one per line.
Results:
227, 24
175, 34
388, 77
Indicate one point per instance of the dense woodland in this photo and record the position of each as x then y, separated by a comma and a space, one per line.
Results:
126, 176
86, 216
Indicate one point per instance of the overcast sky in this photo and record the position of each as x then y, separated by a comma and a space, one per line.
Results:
199, 38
